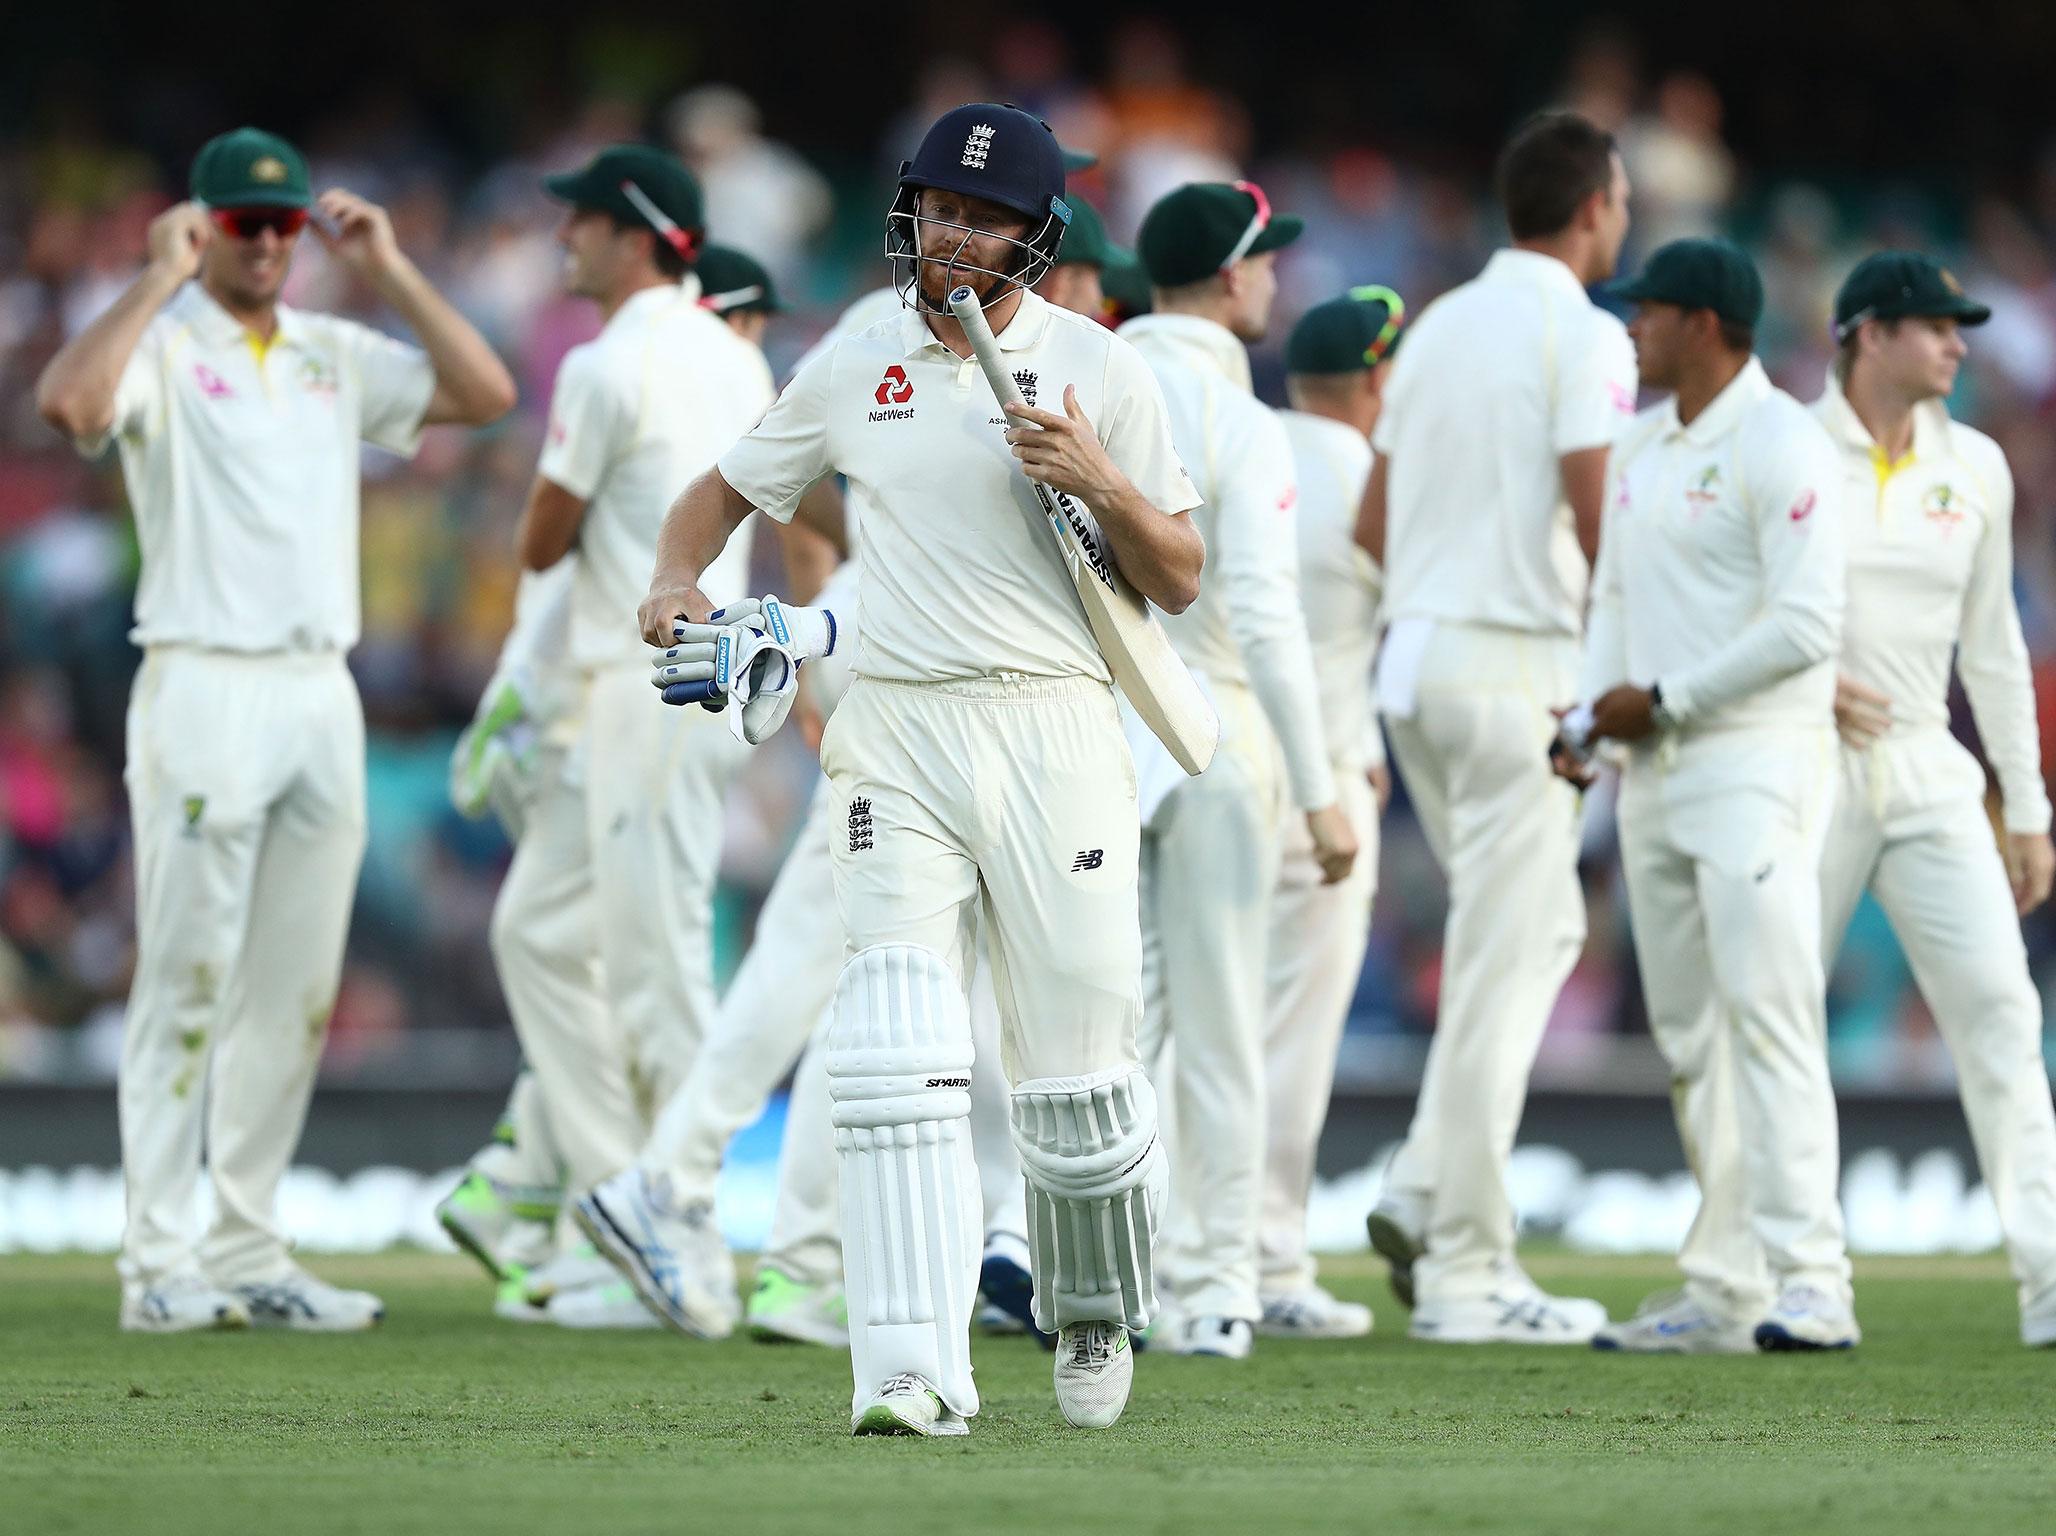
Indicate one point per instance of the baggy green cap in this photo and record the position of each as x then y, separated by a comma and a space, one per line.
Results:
1699, 274
659, 177
733, 282
1195, 230
1347, 335
249, 168
1891, 285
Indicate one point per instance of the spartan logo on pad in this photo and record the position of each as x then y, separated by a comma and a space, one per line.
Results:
895, 389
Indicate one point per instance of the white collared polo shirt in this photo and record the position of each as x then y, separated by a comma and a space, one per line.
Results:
1496, 381
638, 413
1930, 542
962, 576
242, 467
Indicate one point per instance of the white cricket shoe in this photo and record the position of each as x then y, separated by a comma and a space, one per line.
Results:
785, 1310
511, 1303
300, 1303
1807, 1318
1508, 1315
180, 1303
1672, 1323
2038, 1321
1397, 1227
907, 1405
1221, 1338
1580, 1309
612, 1303
1312, 1313
1094, 1370
674, 1257
571, 1270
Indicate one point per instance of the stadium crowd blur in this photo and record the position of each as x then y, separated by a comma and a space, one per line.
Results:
437, 544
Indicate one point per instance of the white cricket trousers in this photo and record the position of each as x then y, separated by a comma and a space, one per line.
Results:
1209, 867
1721, 836
1910, 825
1318, 937
1473, 755
603, 931
246, 787
775, 1009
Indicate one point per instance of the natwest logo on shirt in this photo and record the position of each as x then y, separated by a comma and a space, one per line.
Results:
895, 389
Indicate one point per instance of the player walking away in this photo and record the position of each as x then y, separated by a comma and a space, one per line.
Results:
602, 930
1930, 536
1483, 506
1336, 361
778, 1006
238, 421
1715, 619
976, 763
1210, 844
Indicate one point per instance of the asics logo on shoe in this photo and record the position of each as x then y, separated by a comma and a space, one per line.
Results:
1670, 1330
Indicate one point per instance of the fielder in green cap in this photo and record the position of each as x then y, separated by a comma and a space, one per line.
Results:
240, 423
1716, 608
1930, 592
735, 286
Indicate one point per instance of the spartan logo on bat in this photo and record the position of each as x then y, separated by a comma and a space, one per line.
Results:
1025, 379
860, 824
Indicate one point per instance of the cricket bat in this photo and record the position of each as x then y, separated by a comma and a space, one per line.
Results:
1138, 653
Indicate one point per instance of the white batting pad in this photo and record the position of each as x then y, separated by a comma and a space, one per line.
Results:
1096, 1176
899, 1082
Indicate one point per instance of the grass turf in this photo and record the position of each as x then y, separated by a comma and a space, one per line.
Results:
446, 1421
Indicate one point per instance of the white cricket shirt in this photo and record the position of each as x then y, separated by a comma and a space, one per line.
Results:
962, 576
638, 413
1246, 628
1721, 562
1930, 542
241, 461
1495, 382
1339, 585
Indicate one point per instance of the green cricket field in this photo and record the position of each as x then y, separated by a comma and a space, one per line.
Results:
446, 1421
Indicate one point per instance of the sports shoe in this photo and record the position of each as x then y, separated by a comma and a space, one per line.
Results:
674, 1257
1312, 1313
1009, 1289
1508, 1315
477, 1220
1222, 1338
612, 1303
907, 1405
785, 1311
1672, 1323
1806, 1318
1396, 1227
297, 1301
511, 1303
2038, 1321
1582, 1310
180, 1303
1094, 1370
570, 1270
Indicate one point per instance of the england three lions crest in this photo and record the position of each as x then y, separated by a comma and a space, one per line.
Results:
1024, 380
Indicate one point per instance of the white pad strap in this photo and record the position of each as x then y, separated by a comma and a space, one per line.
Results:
1096, 1176
899, 1082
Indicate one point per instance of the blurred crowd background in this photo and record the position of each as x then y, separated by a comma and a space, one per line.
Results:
1812, 139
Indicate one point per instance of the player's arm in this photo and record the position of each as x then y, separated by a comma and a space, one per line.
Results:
821, 511
472, 385
1161, 556
1370, 512
695, 531
77, 390
549, 524
809, 558
1595, 400
1584, 487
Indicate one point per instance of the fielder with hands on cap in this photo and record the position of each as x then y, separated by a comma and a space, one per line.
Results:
1483, 507
239, 422
1715, 619
1210, 844
1930, 537
1336, 361
976, 762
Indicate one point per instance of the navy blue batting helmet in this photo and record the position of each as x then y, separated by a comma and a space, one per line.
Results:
995, 152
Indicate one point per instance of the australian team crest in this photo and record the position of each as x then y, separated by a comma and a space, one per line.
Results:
318, 376
1705, 488
1024, 378
1942, 506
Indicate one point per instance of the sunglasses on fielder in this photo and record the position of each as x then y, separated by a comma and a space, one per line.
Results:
1257, 225
249, 223
1395, 317
683, 241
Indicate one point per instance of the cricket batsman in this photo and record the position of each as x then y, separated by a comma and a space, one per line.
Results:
1715, 619
1336, 361
1483, 507
1931, 570
977, 764
1210, 844
239, 422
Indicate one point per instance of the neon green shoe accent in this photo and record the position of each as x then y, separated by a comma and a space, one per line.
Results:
879, 1419
777, 1292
